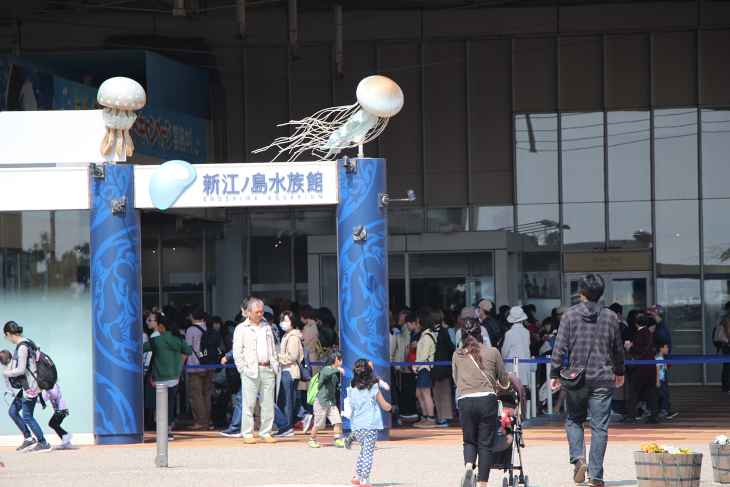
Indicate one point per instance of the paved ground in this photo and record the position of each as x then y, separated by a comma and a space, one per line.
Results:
407, 465
413, 457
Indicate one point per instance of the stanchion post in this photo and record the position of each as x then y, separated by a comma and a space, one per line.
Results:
161, 458
533, 393
550, 391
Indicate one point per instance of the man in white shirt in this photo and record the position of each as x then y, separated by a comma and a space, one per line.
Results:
255, 355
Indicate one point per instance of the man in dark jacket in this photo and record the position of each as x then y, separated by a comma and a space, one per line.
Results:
591, 334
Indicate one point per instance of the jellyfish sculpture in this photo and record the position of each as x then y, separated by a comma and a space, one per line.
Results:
119, 97
329, 131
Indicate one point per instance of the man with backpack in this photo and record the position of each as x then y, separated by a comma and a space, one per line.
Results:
441, 374
493, 327
200, 381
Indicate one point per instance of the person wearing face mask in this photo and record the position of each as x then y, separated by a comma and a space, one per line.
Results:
290, 356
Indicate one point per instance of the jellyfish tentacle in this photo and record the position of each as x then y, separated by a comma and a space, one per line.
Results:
130, 144
120, 142
105, 143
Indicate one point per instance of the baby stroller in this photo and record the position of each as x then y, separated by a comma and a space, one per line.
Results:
509, 434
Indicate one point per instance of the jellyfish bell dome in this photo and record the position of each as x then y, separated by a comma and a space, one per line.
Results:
380, 96
121, 93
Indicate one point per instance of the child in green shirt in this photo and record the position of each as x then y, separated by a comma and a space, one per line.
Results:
324, 404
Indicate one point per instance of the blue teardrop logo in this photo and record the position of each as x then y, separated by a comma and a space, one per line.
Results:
169, 181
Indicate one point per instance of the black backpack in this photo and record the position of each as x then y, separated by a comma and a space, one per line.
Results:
494, 329
305, 366
46, 374
209, 354
444, 353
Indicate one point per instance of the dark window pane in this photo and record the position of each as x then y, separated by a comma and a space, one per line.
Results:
681, 300
630, 225
584, 226
675, 153
447, 220
715, 150
717, 293
405, 220
536, 139
492, 218
629, 156
582, 150
396, 265
677, 239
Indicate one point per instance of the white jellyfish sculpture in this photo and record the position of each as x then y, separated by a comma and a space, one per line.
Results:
119, 97
329, 131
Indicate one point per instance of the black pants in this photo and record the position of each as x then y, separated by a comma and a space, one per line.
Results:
407, 393
649, 391
478, 417
56, 420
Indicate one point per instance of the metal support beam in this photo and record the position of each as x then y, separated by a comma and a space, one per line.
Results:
293, 35
240, 20
338, 42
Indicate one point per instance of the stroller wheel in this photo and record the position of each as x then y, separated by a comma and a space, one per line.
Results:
527, 481
516, 481
504, 482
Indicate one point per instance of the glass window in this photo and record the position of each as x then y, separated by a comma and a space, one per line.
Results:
270, 223
538, 224
536, 144
44, 287
447, 220
492, 218
329, 294
539, 281
450, 281
405, 220
397, 281
315, 222
582, 151
584, 226
396, 265
677, 239
271, 264
715, 149
629, 225
629, 156
717, 272
675, 154
681, 300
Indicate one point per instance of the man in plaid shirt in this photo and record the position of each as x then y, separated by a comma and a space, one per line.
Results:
604, 370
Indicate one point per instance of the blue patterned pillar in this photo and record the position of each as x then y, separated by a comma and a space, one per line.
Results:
363, 272
116, 304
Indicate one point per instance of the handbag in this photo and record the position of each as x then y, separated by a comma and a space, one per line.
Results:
575, 379
635, 356
499, 403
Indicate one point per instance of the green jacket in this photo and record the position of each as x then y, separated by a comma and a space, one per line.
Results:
329, 381
167, 360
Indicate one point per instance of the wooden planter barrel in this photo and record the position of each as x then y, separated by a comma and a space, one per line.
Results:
664, 469
720, 455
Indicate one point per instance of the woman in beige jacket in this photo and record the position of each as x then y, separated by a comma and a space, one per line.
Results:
290, 356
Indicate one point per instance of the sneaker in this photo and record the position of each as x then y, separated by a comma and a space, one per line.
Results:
211, 426
64, 446
579, 472
41, 448
298, 424
313, 443
250, 441
425, 424
467, 480
652, 421
443, 423
671, 415
282, 433
66, 438
348, 443
231, 433
268, 439
355, 480
170, 437
27, 445
339, 443
365, 483
628, 420
307, 423
398, 422
647, 413
409, 416
30, 394
595, 483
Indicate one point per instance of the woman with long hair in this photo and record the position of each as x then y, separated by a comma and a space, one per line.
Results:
292, 353
24, 371
477, 371
425, 351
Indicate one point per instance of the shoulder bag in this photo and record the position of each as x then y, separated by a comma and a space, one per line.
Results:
575, 379
494, 386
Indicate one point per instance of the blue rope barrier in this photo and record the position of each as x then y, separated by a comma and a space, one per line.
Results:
675, 359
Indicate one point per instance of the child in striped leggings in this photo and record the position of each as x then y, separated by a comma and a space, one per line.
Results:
365, 419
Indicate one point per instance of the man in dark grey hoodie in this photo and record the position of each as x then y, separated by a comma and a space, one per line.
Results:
600, 352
